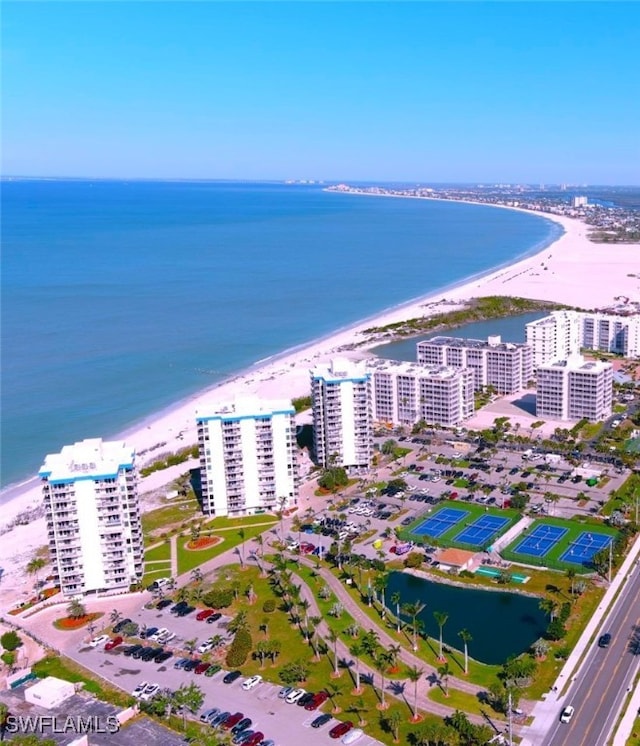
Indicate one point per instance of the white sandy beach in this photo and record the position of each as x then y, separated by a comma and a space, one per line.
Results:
572, 270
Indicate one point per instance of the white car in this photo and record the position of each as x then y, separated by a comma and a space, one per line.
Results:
100, 640
251, 682
139, 689
159, 633
295, 695
292, 546
353, 735
206, 646
149, 692
567, 714
166, 637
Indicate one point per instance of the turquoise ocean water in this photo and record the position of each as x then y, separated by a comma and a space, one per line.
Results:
120, 298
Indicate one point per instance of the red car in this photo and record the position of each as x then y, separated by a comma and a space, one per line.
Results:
232, 720
204, 614
201, 667
453, 496
318, 699
306, 547
339, 730
255, 739
113, 643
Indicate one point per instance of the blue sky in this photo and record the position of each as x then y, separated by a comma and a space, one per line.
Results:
418, 91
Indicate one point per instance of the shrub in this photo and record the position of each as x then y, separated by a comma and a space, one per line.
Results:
218, 598
269, 606
240, 648
10, 640
414, 559
556, 630
565, 611
8, 658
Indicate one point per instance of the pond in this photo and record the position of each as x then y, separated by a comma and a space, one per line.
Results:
500, 623
510, 328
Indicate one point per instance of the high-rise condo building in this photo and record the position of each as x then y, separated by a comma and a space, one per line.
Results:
574, 389
93, 517
406, 393
505, 366
342, 416
563, 333
247, 456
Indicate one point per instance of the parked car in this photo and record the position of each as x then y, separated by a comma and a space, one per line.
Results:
305, 699
255, 740
201, 668
149, 692
181, 662
120, 625
213, 669
150, 653
219, 719
177, 607
163, 656
192, 664
113, 643
321, 720
131, 649
214, 617
139, 689
294, 696
232, 720
318, 699
567, 714
206, 646
284, 692
341, 729
146, 634
231, 677
244, 724
185, 610
137, 654
204, 614
251, 682
163, 603
100, 640
209, 714
352, 736
242, 737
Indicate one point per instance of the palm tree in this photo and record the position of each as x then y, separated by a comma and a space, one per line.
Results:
381, 664
333, 639
394, 652
414, 674
394, 718
380, 583
395, 599
444, 671
241, 534
34, 567
196, 575
358, 707
115, 617
334, 691
549, 606
441, 619
75, 609
305, 606
412, 610
315, 621
466, 638
571, 576
356, 651
280, 513
260, 542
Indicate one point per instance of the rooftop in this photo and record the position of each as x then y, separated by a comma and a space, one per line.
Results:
246, 406
397, 367
491, 343
339, 369
86, 459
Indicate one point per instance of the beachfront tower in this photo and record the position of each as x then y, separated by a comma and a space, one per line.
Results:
407, 393
554, 337
505, 366
93, 517
574, 389
247, 457
342, 415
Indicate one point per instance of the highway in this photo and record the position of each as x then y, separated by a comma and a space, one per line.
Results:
600, 685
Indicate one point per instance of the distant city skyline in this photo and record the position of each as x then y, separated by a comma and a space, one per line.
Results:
497, 92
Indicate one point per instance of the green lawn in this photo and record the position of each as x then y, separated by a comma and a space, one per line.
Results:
188, 560
170, 515
474, 510
157, 571
552, 557
161, 552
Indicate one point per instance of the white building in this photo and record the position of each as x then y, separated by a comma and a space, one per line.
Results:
93, 517
575, 389
405, 393
506, 366
342, 417
247, 456
563, 333
579, 201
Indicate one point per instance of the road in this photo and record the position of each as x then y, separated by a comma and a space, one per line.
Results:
601, 683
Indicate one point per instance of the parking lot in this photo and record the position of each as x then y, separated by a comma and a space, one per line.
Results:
286, 724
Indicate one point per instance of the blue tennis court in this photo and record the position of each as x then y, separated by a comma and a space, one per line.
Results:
439, 523
481, 532
543, 538
581, 551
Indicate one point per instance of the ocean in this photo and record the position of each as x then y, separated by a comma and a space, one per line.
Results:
120, 298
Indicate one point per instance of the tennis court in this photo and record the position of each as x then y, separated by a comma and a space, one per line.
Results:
542, 539
481, 531
581, 550
439, 523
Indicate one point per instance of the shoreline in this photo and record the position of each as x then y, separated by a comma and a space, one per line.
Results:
572, 264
